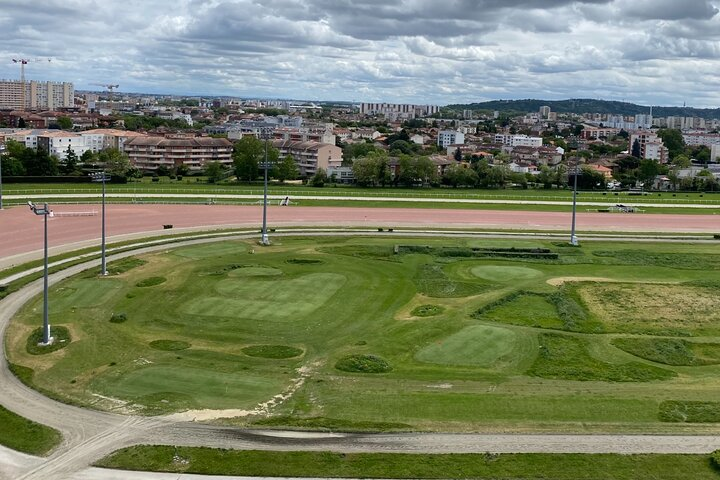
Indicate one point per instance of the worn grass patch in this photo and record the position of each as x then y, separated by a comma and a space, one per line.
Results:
689, 411
121, 266
673, 310
427, 310
365, 363
151, 282
671, 351
23, 435
567, 358
432, 281
59, 333
304, 261
331, 424
256, 463
505, 273
272, 351
169, 345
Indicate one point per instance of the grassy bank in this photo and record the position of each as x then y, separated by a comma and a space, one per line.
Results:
26, 436
388, 465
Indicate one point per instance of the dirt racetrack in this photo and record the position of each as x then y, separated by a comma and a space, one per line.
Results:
21, 231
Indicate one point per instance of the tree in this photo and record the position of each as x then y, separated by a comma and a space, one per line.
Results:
12, 166
319, 179
249, 154
681, 161
365, 171
88, 157
70, 165
457, 175
545, 177
648, 170
286, 169
635, 150
498, 175
182, 170
65, 123
214, 171
162, 171
458, 155
561, 175
116, 163
673, 140
39, 163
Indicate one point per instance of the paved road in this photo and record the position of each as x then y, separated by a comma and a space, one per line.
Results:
90, 435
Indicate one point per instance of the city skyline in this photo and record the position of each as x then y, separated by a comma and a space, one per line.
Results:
658, 52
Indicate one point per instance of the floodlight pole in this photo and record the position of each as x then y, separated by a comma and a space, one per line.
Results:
573, 238
45, 211
2, 151
102, 177
264, 239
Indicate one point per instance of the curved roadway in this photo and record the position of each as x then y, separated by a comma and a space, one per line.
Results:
89, 435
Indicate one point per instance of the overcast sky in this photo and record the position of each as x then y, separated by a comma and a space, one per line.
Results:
661, 52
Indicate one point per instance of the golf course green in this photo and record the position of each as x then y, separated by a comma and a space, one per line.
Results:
394, 333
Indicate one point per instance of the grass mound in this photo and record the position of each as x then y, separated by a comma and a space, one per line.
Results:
427, 311
567, 358
689, 412
671, 351
169, 345
59, 333
272, 351
505, 273
331, 424
365, 363
151, 282
121, 266
25, 435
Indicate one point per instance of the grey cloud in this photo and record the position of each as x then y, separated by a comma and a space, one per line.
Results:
670, 9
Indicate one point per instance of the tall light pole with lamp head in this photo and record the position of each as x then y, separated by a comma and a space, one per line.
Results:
45, 211
573, 237
2, 151
265, 133
102, 177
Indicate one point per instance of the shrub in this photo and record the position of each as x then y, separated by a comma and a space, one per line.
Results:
427, 311
363, 364
61, 336
169, 345
118, 318
689, 411
715, 459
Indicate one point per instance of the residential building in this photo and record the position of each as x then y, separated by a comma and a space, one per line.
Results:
595, 133
148, 153
398, 111
450, 137
545, 112
309, 156
696, 139
518, 140
57, 143
103, 138
38, 95
715, 153
650, 145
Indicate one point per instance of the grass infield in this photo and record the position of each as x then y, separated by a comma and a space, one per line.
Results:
397, 465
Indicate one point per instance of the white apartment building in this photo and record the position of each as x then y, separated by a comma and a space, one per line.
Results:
103, 138
685, 123
696, 139
715, 153
38, 95
450, 137
398, 111
518, 140
57, 143
148, 153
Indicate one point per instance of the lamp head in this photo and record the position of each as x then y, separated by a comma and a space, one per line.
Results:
31, 205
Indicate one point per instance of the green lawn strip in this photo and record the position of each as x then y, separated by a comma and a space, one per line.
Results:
399, 465
26, 436
689, 411
331, 424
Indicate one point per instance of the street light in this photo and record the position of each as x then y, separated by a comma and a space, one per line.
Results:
102, 177
45, 211
265, 133
573, 238
2, 151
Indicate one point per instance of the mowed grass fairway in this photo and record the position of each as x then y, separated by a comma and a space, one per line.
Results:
467, 335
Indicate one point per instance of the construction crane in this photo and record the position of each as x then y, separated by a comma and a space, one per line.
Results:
110, 89
23, 62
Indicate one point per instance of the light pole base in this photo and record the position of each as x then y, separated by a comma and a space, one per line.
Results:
265, 240
50, 341
574, 241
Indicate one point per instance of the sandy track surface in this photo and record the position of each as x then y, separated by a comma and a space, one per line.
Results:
90, 435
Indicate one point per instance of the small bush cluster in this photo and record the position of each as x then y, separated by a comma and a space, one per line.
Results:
272, 351
151, 282
118, 318
366, 363
427, 311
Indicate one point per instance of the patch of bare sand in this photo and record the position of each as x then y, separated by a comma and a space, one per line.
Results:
557, 281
